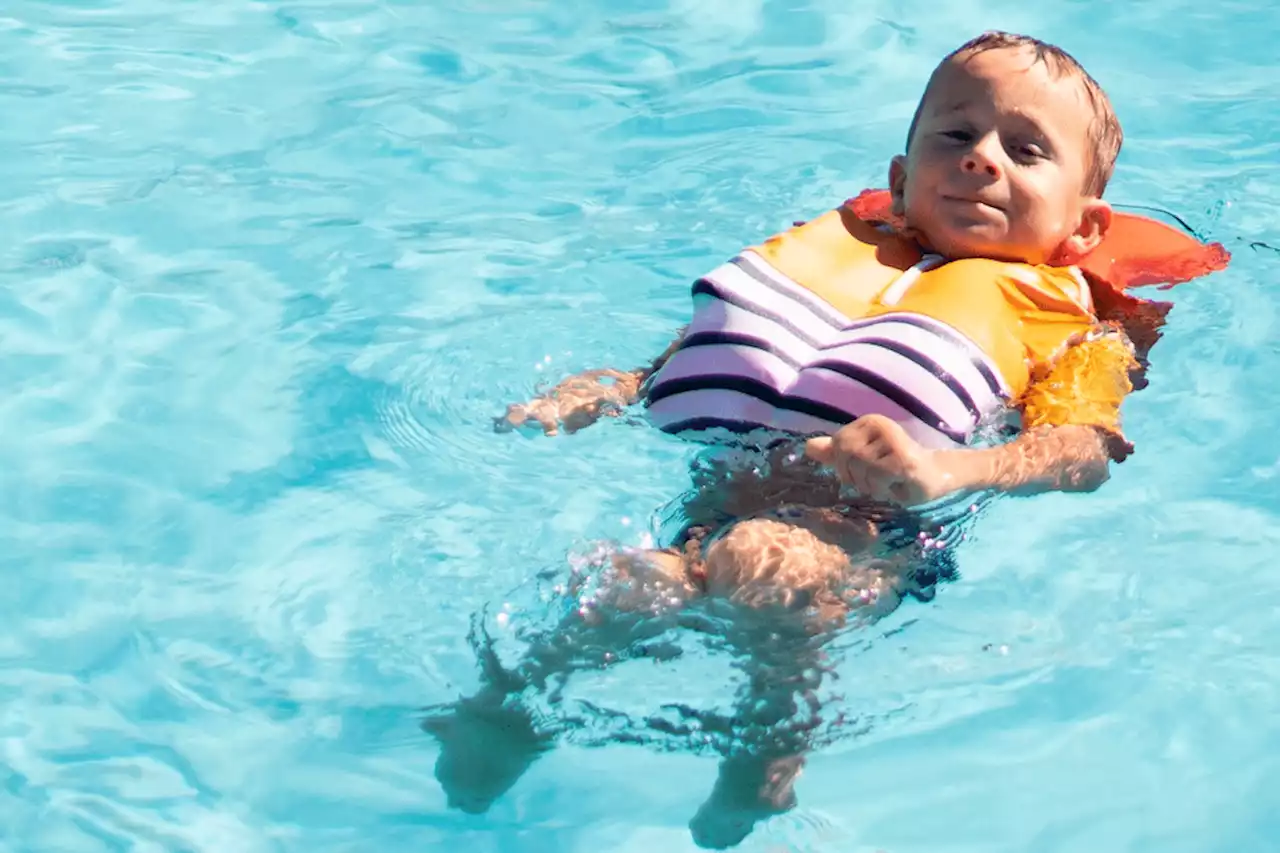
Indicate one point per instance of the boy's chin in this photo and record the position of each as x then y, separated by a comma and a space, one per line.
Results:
957, 245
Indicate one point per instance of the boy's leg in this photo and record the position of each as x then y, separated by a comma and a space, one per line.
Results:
817, 563
814, 569
489, 740
765, 753
810, 569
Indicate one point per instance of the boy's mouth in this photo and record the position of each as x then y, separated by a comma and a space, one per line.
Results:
976, 202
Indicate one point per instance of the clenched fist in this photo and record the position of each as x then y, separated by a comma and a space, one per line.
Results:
878, 459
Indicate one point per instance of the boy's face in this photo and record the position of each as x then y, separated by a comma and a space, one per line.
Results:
997, 165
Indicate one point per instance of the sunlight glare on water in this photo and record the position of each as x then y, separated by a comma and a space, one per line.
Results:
270, 269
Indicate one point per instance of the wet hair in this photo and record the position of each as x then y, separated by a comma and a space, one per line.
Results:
1105, 134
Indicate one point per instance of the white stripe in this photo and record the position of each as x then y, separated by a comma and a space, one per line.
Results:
751, 292
799, 422
1079, 295
800, 293
1086, 292
715, 315
893, 293
731, 359
734, 405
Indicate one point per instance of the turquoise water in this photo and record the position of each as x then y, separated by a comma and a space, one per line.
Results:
269, 270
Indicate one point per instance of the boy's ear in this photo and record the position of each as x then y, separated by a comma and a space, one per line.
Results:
898, 184
1095, 222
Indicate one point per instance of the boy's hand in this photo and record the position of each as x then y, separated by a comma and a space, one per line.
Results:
877, 457
575, 403
541, 411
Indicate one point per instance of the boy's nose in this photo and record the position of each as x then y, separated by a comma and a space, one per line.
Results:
976, 163
978, 160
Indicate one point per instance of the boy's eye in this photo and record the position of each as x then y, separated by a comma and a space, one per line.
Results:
957, 135
1031, 151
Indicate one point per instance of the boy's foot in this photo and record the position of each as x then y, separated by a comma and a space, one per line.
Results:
749, 789
486, 745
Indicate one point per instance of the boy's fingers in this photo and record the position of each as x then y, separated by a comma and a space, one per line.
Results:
820, 450
515, 416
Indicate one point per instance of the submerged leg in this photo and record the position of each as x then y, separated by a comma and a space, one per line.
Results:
794, 579
490, 739
766, 753
799, 579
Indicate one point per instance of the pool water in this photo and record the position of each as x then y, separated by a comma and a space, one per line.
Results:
269, 269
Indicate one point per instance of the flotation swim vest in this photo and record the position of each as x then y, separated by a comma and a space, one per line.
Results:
843, 316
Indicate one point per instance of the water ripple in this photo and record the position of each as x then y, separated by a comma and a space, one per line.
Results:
270, 271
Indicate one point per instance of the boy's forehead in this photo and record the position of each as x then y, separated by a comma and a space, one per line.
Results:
1011, 78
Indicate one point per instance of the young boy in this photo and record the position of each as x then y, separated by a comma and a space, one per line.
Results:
888, 349
1001, 186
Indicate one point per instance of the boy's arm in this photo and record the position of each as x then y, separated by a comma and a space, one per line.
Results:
1069, 458
581, 399
1071, 423
1071, 426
